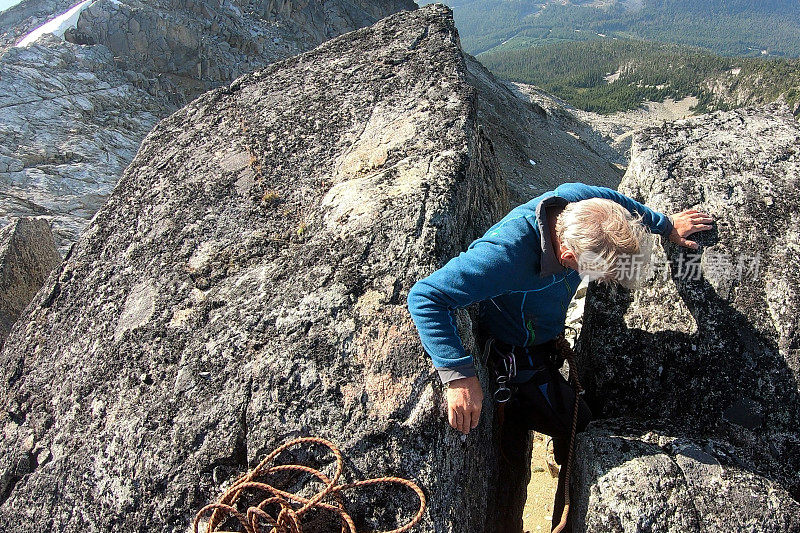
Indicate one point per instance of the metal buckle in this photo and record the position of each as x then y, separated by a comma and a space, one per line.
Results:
503, 393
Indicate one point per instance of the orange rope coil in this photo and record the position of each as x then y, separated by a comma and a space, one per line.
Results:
293, 506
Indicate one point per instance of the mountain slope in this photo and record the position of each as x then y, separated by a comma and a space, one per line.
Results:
608, 75
742, 27
73, 111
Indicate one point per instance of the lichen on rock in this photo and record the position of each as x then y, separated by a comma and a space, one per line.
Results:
245, 284
709, 344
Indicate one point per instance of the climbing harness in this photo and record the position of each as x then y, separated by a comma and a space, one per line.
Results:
288, 519
503, 361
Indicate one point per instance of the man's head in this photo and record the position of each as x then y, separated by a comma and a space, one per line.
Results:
602, 240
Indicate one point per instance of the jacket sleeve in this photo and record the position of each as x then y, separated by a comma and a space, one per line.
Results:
655, 221
489, 268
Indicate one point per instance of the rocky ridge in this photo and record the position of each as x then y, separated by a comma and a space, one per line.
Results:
74, 110
71, 123
246, 284
536, 151
697, 371
246, 281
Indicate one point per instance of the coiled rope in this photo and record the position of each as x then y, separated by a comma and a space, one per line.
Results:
562, 345
293, 506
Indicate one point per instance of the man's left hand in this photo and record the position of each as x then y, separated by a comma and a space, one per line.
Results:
687, 222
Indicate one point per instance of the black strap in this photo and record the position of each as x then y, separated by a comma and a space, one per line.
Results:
529, 357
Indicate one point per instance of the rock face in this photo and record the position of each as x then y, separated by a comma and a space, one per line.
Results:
18, 20
74, 110
71, 123
636, 476
710, 343
246, 282
200, 44
27, 255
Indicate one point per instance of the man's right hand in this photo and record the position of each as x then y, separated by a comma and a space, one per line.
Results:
464, 402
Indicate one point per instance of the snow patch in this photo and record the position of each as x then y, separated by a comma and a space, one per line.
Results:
57, 26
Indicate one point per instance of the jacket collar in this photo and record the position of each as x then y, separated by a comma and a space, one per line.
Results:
549, 263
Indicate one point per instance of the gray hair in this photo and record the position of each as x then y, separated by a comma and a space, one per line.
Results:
609, 243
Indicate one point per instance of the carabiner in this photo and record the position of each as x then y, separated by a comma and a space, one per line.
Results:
503, 393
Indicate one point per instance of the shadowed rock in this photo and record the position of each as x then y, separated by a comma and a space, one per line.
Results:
27, 255
710, 342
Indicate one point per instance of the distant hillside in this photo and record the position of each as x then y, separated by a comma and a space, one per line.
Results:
729, 27
609, 75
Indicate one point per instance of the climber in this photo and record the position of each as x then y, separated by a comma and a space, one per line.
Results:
523, 272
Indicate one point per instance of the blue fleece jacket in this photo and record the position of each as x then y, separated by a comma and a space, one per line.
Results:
514, 273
